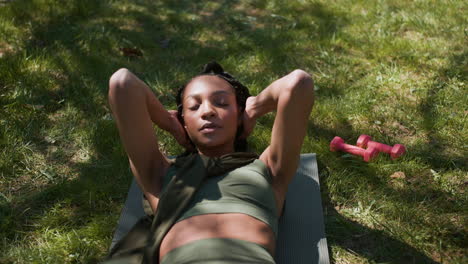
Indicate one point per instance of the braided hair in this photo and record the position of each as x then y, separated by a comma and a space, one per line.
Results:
241, 92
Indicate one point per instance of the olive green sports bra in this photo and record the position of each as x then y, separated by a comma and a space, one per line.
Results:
244, 190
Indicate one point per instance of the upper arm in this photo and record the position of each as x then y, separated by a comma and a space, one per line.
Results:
289, 128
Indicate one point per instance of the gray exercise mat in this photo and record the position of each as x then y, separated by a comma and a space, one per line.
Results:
301, 236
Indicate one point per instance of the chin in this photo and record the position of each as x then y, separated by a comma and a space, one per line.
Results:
208, 144
211, 143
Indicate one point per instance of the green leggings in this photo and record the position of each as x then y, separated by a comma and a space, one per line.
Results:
218, 251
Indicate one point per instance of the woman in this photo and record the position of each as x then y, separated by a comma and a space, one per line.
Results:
214, 115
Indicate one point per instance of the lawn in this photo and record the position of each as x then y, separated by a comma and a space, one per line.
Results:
395, 70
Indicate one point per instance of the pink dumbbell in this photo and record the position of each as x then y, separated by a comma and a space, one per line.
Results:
337, 144
364, 141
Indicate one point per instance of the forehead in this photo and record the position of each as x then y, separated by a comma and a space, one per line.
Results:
206, 85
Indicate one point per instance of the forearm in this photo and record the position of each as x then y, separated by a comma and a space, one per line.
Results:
283, 90
264, 102
159, 115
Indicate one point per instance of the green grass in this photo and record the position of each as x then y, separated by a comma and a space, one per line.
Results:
395, 70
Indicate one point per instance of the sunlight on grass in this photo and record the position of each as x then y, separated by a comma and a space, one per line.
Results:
348, 257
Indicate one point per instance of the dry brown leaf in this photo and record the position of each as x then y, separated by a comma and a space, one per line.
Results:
398, 175
131, 52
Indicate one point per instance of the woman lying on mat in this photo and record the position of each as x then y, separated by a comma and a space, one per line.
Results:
233, 215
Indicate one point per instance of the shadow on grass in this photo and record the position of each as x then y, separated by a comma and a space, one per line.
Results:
378, 244
374, 245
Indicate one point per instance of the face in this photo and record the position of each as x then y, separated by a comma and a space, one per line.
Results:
210, 113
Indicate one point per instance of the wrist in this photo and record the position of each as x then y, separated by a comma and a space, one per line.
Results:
163, 121
257, 107
251, 108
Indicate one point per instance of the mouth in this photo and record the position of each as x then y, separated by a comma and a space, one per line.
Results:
209, 127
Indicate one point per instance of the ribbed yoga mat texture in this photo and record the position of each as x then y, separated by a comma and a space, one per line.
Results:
301, 237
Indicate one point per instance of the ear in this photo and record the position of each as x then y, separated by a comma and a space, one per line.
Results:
182, 121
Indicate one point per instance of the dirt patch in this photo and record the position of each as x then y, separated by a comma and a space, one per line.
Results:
132, 26
413, 35
397, 180
5, 48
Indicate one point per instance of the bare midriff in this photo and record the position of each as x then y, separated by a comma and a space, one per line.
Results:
228, 225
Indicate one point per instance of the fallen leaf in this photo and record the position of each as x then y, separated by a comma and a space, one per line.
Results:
131, 52
398, 175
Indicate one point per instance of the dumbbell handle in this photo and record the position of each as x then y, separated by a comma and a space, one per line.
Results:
380, 146
395, 151
352, 149
337, 144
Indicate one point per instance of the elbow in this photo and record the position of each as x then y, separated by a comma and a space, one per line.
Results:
119, 80
120, 85
301, 85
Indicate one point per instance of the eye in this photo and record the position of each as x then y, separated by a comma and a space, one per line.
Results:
221, 101
193, 107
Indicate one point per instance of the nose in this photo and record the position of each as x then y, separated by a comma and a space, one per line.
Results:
207, 110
